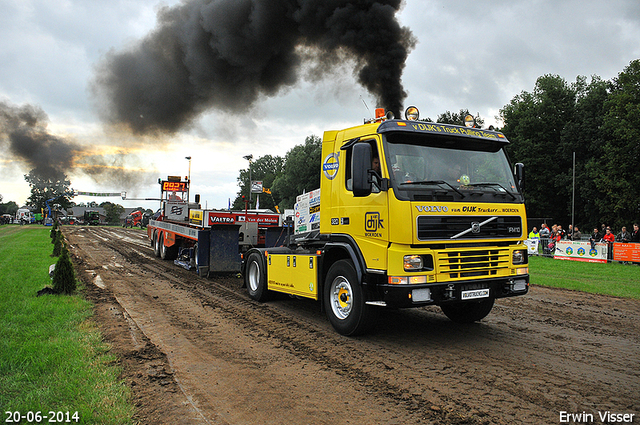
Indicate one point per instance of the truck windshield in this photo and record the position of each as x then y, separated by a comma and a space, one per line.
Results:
448, 168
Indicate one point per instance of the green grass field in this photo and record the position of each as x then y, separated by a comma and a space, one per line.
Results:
617, 279
52, 358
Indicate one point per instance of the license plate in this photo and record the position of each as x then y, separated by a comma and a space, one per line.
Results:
475, 293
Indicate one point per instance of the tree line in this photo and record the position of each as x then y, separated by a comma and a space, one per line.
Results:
285, 178
598, 120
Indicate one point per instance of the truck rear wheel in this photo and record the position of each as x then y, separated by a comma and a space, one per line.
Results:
156, 245
468, 312
161, 248
194, 260
255, 277
167, 252
344, 301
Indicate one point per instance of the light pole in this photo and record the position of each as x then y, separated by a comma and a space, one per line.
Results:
188, 177
249, 158
573, 198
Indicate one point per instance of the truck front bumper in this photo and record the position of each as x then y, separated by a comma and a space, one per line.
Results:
414, 295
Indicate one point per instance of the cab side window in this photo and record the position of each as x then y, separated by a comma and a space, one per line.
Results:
375, 165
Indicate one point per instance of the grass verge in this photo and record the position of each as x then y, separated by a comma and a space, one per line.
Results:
617, 279
52, 358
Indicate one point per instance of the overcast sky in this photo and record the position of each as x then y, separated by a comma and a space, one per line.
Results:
469, 54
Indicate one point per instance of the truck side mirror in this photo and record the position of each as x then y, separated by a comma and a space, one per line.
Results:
360, 165
519, 174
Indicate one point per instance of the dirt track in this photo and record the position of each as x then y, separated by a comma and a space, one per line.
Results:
198, 350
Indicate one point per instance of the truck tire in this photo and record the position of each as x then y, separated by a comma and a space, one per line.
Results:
167, 252
195, 259
255, 277
161, 248
468, 312
156, 245
344, 301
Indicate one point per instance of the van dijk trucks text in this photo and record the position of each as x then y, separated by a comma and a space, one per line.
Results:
408, 214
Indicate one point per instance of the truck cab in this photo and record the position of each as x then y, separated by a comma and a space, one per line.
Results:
412, 213
24, 216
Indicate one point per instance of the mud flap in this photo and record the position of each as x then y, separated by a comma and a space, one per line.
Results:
224, 249
202, 265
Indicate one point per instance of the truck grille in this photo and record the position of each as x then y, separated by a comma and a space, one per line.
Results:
472, 263
433, 228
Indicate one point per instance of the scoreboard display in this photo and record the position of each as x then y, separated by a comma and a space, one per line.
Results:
169, 186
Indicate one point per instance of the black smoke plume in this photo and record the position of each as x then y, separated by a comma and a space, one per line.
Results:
24, 136
226, 54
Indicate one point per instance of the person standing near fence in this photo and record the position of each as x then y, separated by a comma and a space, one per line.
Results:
635, 235
623, 236
576, 235
561, 232
609, 238
544, 238
555, 237
534, 245
595, 237
544, 231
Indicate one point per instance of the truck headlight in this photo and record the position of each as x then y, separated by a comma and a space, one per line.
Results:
422, 263
519, 257
412, 262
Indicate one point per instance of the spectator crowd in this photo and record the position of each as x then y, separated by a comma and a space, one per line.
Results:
548, 237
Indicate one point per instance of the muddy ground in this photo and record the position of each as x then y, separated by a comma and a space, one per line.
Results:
199, 351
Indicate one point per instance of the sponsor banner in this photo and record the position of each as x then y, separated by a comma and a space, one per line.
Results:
221, 217
626, 252
302, 214
108, 194
176, 211
196, 217
263, 220
581, 251
256, 186
307, 212
532, 246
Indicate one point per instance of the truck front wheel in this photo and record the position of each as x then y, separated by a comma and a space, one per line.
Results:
255, 277
468, 312
344, 301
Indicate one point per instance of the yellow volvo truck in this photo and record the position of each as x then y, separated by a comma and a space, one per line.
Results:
409, 213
